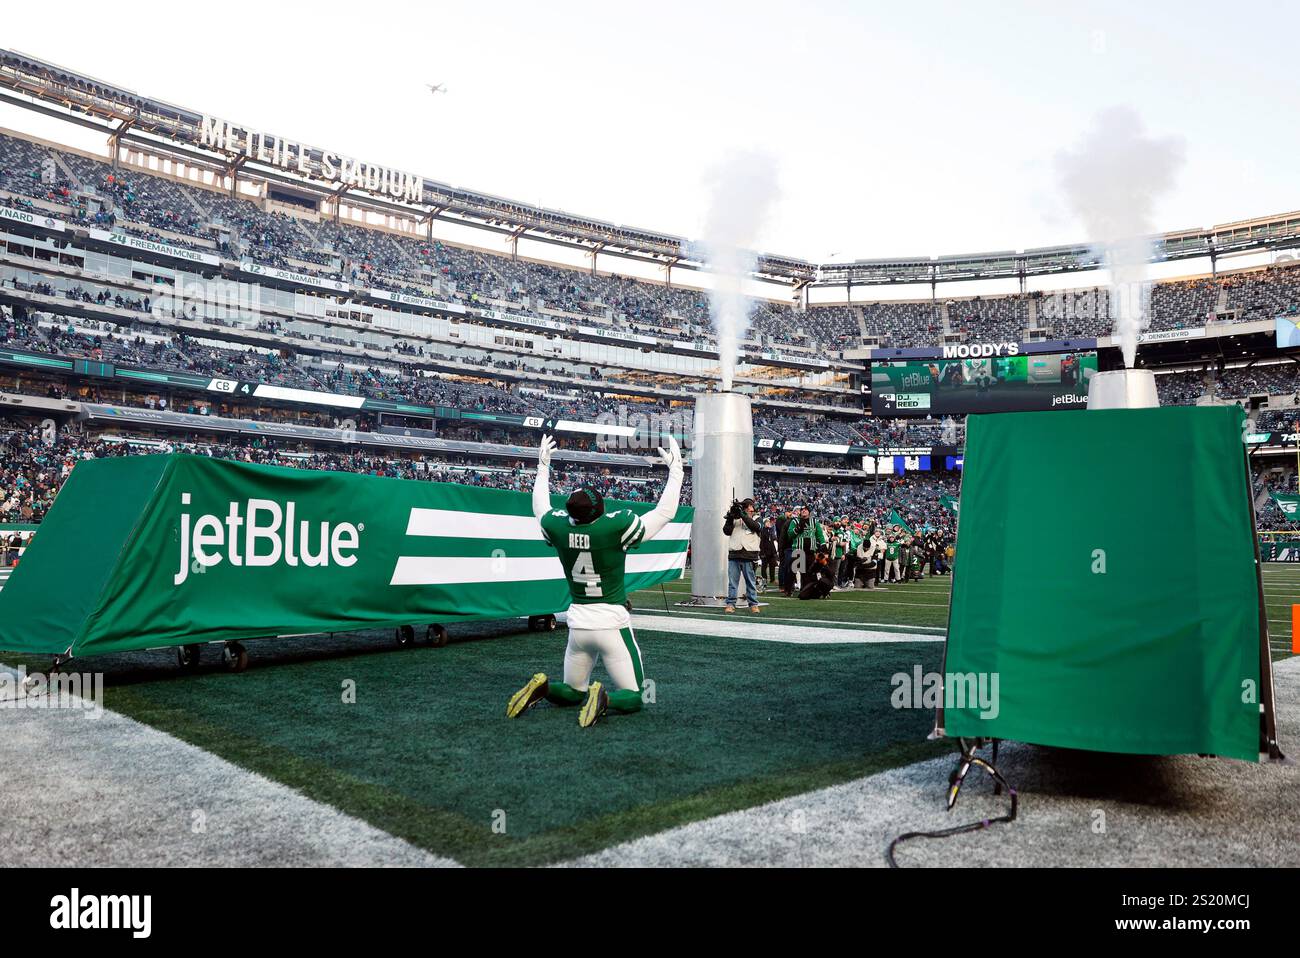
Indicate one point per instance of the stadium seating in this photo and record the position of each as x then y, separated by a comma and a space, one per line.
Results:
91, 192
144, 204
32, 471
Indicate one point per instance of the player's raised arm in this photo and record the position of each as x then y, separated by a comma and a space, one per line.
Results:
542, 487
664, 512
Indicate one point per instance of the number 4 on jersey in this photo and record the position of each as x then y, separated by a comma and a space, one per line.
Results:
584, 572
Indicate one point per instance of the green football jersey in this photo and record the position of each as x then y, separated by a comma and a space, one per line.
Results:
593, 555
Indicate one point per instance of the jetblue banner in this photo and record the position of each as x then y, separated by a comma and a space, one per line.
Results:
173, 550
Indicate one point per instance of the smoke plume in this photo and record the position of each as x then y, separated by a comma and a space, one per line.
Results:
1112, 179
744, 189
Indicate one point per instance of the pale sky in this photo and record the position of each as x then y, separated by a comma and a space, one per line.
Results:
898, 129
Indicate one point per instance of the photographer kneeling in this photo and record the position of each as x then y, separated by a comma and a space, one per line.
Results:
742, 531
819, 579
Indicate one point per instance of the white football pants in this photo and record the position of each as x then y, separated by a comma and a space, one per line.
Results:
617, 648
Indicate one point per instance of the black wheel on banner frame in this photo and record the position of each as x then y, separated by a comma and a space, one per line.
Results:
235, 657
187, 657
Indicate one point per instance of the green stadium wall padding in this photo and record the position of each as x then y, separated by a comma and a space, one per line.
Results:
1166, 652
137, 552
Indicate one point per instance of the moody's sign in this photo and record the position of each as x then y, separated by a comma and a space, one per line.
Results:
983, 350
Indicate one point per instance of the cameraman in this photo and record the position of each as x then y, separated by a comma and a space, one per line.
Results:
742, 531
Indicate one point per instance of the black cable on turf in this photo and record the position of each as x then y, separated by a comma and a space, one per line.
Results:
968, 760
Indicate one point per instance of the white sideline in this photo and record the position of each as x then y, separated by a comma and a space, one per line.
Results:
1181, 810
745, 625
110, 791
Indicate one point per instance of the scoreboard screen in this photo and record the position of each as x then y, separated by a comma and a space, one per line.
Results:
1024, 383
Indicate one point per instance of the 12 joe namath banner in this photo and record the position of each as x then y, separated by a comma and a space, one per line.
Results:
147, 551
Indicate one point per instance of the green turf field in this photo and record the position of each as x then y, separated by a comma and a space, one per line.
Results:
1281, 591
918, 606
426, 753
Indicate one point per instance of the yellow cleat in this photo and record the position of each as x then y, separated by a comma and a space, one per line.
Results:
594, 709
528, 696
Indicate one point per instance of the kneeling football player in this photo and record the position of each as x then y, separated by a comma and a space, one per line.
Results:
592, 545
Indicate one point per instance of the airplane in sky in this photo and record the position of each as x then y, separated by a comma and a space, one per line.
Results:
437, 87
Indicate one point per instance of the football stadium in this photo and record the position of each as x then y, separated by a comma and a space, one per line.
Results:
351, 518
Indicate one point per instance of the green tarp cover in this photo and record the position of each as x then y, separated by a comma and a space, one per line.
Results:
147, 551
1108, 580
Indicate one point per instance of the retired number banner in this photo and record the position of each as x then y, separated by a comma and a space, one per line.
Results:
1288, 504
147, 551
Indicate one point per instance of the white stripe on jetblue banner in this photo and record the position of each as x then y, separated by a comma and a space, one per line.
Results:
462, 570
674, 530
454, 524
655, 561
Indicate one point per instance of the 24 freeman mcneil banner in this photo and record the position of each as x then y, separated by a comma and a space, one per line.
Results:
149, 551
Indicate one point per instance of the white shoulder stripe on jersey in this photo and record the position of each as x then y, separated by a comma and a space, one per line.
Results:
635, 541
632, 528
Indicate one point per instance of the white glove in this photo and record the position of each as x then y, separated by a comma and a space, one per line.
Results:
544, 451
672, 456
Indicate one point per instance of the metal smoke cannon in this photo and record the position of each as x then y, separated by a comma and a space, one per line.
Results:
1123, 389
722, 469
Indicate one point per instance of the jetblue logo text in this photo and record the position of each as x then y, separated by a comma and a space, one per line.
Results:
271, 535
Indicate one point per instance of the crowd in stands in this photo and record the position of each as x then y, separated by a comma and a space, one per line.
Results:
161, 208
32, 470
148, 348
914, 496
1264, 294
1186, 388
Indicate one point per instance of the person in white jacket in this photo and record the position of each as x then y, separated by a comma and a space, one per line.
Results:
871, 557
